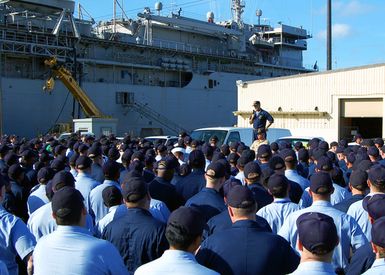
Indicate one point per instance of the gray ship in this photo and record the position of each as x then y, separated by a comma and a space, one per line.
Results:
156, 74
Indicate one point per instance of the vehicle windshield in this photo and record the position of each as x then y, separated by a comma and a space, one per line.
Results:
205, 135
293, 141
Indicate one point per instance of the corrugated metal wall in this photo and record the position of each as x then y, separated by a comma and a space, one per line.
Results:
310, 92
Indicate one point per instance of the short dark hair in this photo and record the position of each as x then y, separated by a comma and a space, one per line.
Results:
178, 237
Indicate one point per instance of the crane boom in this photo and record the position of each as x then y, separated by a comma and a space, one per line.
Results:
61, 73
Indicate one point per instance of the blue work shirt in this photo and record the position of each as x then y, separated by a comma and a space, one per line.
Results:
96, 204
41, 222
85, 183
345, 204
37, 198
209, 202
340, 194
357, 211
276, 212
303, 169
294, 176
175, 262
261, 195
97, 172
260, 119
21, 194
223, 221
15, 239
163, 190
314, 268
72, 250
378, 267
361, 261
246, 249
192, 184
348, 230
139, 237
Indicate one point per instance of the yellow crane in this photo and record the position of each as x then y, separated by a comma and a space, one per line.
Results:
65, 76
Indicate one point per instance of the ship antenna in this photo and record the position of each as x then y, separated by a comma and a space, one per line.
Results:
237, 7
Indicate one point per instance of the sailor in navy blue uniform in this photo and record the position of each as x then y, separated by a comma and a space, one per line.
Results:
209, 201
245, 248
259, 118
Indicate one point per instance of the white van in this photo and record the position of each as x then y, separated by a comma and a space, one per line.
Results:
229, 134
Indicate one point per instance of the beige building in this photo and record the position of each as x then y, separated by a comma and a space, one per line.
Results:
332, 104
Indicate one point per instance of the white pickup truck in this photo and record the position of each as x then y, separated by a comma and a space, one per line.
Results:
229, 134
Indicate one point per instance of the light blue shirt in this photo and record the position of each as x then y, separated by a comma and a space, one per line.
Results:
72, 250
294, 176
378, 268
348, 230
241, 176
37, 199
159, 210
15, 239
85, 183
176, 262
41, 222
74, 172
338, 196
276, 212
357, 211
97, 172
97, 207
314, 268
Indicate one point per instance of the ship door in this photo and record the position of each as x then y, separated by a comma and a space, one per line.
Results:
361, 115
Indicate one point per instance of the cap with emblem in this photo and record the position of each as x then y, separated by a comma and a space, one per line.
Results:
317, 232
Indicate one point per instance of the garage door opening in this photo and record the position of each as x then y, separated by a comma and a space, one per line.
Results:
368, 127
362, 115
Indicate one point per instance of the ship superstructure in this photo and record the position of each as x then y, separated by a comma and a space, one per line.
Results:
156, 74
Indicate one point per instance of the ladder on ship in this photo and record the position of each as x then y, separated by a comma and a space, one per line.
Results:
148, 112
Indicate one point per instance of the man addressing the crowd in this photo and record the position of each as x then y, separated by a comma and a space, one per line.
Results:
259, 117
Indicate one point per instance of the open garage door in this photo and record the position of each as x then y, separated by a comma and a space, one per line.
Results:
363, 115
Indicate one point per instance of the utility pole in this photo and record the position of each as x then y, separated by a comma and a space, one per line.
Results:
329, 36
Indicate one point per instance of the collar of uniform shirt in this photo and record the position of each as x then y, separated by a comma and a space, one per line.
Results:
281, 200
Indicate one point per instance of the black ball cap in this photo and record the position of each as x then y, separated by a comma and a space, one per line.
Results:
111, 168
216, 170
321, 179
111, 195
378, 232
317, 231
190, 220
240, 197
62, 179
67, 201
134, 189
83, 162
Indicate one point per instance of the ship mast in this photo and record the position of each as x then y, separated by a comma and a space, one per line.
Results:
237, 7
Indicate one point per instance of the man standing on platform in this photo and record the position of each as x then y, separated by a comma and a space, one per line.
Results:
259, 117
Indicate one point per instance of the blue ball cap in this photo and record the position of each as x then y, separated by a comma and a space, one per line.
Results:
134, 189
252, 170
378, 232
324, 164
288, 155
321, 179
375, 205
168, 163
376, 175
277, 182
190, 220
230, 183
67, 201
358, 177
111, 168
373, 151
216, 170
276, 163
240, 197
196, 158
317, 232
264, 151
83, 162
61, 179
